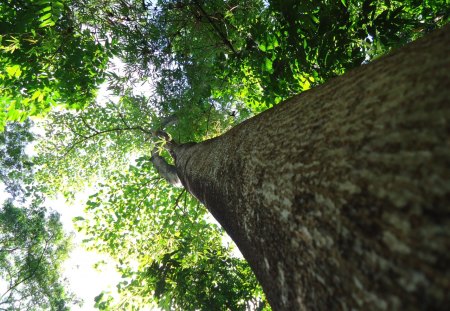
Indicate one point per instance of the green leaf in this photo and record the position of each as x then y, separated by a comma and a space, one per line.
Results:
262, 47
35, 94
12, 115
47, 23
45, 17
78, 218
46, 9
14, 71
41, 97
58, 4
267, 66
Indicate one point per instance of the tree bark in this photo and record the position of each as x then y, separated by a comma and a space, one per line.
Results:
339, 197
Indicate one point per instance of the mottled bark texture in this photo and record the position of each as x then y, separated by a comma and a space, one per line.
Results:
339, 197
165, 170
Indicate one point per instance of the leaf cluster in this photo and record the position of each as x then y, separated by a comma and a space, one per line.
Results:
252, 54
32, 248
46, 59
33, 244
15, 166
167, 251
212, 64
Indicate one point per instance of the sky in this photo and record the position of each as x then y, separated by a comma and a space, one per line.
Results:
85, 281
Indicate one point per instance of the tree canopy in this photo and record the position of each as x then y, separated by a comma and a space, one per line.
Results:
206, 64
46, 59
33, 244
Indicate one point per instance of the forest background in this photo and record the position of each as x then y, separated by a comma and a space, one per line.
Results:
196, 68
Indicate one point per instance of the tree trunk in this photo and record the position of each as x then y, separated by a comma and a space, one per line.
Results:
339, 197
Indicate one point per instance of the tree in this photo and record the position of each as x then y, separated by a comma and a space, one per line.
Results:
33, 244
15, 165
339, 197
166, 251
189, 84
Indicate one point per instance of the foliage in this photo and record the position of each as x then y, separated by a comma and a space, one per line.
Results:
212, 64
253, 53
89, 144
15, 165
167, 252
45, 59
95, 141
33, 244
134, 216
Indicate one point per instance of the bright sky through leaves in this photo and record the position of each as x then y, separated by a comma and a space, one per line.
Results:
209, 65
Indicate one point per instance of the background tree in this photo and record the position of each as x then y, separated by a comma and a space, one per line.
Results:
168, 253
16, 166
33, 244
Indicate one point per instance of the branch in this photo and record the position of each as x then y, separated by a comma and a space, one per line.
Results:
87, 125
224, 38
32, 272
179, 197
117, 129
75, 132
207, 120
165, 170
167, 121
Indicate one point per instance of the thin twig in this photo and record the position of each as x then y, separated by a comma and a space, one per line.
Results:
87, 125
220, 33
32, 273
207, 120
117, 129
179, 197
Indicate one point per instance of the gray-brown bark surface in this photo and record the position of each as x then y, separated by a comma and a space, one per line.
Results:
165, 170
339, 197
